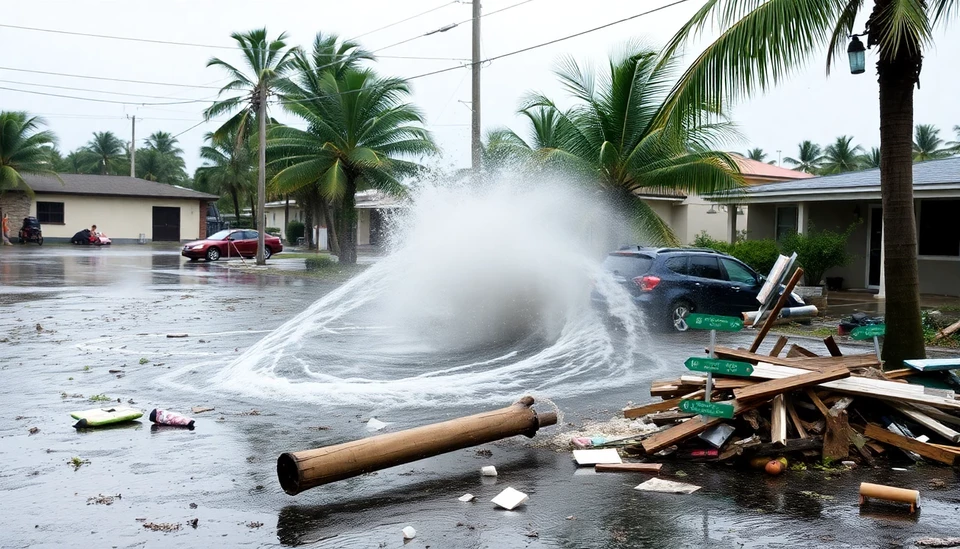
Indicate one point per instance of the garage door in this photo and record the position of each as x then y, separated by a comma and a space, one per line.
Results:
166, 224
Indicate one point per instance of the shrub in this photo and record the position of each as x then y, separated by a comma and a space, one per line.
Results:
275, 231
704, 240
818, 251
295, 231
760, 255
319, 262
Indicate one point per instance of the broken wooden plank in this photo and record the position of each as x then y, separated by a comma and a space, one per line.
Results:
778, 420
938, 415
792, 445
667, 418
933, 364
690, 428
775, 312
930, 451
832, 346
768, 389
840, 405
805, 362
947, 331
661, 406
795, 419
928, 422
818, 403
652, 468
951, 449
875, 388
836, 440
778, 346
719, 383
899, 374
796, 351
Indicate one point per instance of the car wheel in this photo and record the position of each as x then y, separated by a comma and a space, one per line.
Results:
40, 240
678, 315
266, 252
213, 254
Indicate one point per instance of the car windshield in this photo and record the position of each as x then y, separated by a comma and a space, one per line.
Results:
220, 235
628, 265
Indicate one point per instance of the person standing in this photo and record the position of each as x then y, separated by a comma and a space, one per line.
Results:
6, 231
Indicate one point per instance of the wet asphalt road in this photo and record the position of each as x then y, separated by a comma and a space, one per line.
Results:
68, 316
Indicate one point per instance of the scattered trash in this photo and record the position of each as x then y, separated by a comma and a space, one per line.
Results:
166, 417
104, 416
103, 500
652, 468
173, 336
850, 464
488, 471
409, 532
254, 524
938, 542
593, 457
33, 430
201, 409
467, 498
510, 499
717, 435
161, 527
667, 487
375, 425
889, 493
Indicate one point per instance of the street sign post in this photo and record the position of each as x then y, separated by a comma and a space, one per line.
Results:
874, 331
718, 366
712, 409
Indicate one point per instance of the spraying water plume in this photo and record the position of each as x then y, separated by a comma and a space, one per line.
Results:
487, 294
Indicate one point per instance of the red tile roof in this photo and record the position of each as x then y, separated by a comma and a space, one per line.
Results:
753, 169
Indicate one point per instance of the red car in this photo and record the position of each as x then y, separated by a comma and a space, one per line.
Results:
230, 243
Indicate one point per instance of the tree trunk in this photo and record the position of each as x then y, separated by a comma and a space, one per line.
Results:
286, 217
261, 172
897, 76
308, 223
331, 229
348, 224
236, 204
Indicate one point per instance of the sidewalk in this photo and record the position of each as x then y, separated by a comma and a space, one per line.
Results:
844, 303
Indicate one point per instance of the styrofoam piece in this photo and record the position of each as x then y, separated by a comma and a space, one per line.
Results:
667, 486
409, 532
375, 424
488, 471
593, 457
510, 499
467, 497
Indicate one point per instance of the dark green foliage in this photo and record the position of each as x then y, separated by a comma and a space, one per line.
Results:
295, 231
319, 262
760, 255
818, 251
273, 230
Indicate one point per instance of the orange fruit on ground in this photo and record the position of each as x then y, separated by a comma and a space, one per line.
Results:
774, 467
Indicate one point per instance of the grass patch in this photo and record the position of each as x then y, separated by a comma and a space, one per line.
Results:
100, 398
300, 255
813, 330
143, 361
77, 462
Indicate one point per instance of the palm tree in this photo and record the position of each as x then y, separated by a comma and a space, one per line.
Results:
809, 158
621, 137
105, 154
504, 148
926, 144
870, 159
359, 129
227, 170
756, 154
954, 146
24, 149
77, 161
161, 160
840, 156
266, 62
760, 43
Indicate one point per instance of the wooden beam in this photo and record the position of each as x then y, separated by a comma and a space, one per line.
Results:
778, 421
938, 415
661, 406
775, 312
690, 428
930, 451
836, 439
795, 419
899, 374
807, 363
792, 445
928, 422
719, 383
652, 468
832, 346
818, 403
768, 389
797, 351
951, 449
778, 346
947, 331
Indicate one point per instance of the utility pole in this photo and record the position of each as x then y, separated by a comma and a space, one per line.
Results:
475, 102
133, 145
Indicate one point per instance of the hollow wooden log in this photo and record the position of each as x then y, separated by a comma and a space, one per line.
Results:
889, 493
299, 471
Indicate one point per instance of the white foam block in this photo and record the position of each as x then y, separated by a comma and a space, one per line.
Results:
593, 457
409, 532
510, 499
667, 486
375, 424
467, 497
488, 471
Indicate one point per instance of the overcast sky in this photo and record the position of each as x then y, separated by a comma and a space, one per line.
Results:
808, 106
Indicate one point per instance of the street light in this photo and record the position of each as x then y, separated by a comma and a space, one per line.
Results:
856, 53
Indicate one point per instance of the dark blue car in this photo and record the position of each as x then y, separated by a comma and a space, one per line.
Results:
670, 283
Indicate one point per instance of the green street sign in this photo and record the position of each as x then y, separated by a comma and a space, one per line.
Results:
718, 366
712, 409
699, 321
867, 332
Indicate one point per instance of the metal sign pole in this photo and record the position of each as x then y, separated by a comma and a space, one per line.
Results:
876, 346
709, 386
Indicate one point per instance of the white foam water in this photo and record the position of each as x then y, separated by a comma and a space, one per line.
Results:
485, 296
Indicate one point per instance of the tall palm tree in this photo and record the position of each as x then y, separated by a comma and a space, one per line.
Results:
266, 61
954, 146
360, 134
23, 149
227, 170
756, 154
761, 42
621, 137
106, 154
505, 148
870, 159
76, 161
927, 144
841, 156
809, 158
161, 160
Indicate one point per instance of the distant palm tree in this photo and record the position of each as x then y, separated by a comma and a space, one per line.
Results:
954, 146
105, 154
809, 158
23, 149
870, 159
227, 170
840, 156
504, 147
756, 154
75, 162
161, 160
926, 144
266, 62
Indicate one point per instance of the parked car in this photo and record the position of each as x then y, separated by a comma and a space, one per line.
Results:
230, 243
670, 283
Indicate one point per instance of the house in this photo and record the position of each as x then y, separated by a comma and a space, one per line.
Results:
838, 201
372, 207
690, 214
127, 209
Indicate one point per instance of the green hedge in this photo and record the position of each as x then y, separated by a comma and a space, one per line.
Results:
760, 255
295, 231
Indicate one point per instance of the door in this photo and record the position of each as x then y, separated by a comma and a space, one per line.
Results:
708, 284
741, 287
875, 246
166, 224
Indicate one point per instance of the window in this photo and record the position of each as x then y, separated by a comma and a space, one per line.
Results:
939, 232
50, 212
705, 267
786, 221
737, 272
249, 235
677, 265
628, 265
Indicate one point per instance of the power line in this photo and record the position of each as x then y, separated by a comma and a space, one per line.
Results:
89, 90
405, 20
108, 78
104, 100
188, 129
